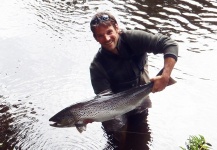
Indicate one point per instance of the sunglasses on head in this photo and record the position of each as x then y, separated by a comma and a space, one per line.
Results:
100, 19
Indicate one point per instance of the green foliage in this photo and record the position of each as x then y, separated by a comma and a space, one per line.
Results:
197, 143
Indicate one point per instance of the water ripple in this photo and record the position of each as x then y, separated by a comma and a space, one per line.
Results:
63, 17
47, 75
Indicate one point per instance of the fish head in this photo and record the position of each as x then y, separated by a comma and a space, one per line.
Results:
63, 118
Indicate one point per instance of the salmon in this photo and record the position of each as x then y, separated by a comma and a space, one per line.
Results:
103, 107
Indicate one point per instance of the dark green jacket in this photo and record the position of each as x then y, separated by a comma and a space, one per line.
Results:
116, 73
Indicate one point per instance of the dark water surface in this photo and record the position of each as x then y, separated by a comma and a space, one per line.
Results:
45, 50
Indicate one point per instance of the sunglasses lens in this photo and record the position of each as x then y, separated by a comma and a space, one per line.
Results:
104, 17
97, 20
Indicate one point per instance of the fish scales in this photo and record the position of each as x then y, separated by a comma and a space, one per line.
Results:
103, 107
95, 110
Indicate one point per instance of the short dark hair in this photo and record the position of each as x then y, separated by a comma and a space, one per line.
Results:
98, 20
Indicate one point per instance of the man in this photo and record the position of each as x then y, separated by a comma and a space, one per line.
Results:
121, 63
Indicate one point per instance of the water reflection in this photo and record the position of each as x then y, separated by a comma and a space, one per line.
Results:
135, 134
47, 69
62, 17
16, 123
167, 17
5, 119
187, 20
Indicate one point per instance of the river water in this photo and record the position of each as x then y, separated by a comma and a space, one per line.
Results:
46, 47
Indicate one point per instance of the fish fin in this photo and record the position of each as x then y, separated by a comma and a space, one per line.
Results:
107, 92
171, 81
81, 127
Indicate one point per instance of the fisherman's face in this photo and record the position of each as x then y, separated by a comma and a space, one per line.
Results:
107, 36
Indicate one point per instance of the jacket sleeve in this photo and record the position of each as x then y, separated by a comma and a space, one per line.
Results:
141, 41
99, 78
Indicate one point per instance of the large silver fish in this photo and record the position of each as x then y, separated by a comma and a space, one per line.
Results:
102, 107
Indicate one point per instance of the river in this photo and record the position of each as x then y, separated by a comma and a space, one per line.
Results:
46, 47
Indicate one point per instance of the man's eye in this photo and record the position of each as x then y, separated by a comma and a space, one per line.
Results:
109, 32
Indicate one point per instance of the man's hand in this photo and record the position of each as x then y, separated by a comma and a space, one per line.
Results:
161, 81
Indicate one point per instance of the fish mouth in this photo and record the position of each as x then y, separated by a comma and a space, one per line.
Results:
54, 124
59, 125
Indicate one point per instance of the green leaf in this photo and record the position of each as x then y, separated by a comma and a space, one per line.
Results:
196, 143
